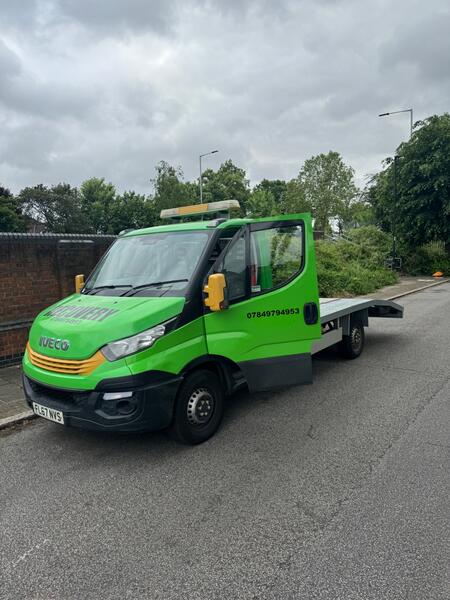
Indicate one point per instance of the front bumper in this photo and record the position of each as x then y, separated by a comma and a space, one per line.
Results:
150, 407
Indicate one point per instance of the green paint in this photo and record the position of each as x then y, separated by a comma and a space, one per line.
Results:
267, 325
87, 335
232, 334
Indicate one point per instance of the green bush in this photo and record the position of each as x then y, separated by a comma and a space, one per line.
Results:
371, 237
375, 245
428, 259
350, 268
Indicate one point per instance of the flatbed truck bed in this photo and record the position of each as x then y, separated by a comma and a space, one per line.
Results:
336, 315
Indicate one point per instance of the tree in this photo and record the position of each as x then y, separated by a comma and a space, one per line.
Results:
11, 218
229, 182
421, 211
170, 190
131, 211
294, 200
97, 197
58, 207
277, 187
359, 214
261, 203
328, 187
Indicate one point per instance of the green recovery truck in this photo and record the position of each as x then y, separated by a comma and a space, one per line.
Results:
175, 318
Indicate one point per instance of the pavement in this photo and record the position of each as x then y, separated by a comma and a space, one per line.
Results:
337, 490
406, 285
12, 402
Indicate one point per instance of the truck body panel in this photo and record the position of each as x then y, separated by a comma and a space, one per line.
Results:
118, 355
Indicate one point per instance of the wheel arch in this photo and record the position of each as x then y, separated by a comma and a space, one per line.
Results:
228, 371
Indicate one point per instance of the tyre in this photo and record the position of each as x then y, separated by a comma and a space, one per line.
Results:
198, 409
352, 345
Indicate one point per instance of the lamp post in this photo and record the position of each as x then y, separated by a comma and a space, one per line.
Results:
200, 162
394, 221
396, 112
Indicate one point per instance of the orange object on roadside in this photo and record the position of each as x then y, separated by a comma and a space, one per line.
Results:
438, 274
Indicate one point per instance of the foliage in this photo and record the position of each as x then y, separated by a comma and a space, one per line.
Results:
229, 182
131, 211
169, 188
277, 187
421, 212
59, 207
428, 259
94, 209
10, 216
294, 200
261, 203
373, 244
97, 198
355, 267
289, 196
328, 187
359, 214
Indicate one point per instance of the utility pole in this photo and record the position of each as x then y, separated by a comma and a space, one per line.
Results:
200, 163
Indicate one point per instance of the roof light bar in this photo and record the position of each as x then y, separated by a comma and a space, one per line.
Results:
199, 209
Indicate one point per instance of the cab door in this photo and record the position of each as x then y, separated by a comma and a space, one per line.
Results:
272, 317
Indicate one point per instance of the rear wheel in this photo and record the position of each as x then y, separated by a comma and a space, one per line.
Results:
199, 408
353, 344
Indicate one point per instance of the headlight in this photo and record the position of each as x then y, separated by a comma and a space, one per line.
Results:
135, 343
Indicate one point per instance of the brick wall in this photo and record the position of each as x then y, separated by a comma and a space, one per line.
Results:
37, 270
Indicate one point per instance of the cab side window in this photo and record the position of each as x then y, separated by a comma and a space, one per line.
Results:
276, 257
235, 271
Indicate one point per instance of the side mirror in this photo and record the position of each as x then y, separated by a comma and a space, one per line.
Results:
215, 292
79, 283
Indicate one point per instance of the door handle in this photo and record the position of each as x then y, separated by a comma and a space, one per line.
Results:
310, 313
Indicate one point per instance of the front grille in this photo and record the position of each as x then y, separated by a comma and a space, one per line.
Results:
61, 396
69, 367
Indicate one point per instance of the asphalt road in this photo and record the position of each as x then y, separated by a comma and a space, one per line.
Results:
338, 490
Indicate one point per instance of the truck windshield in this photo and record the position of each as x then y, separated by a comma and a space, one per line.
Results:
162, 261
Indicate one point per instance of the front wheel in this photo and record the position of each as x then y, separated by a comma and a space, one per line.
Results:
199, 408
352, 345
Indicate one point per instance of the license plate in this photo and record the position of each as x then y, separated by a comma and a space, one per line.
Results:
48, 413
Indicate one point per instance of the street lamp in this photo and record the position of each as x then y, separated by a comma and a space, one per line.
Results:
200, 161
396, 112
393, 224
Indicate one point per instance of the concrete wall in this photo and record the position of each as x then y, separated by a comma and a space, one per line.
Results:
36, 270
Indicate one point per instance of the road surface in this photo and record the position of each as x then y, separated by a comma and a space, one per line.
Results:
338, 490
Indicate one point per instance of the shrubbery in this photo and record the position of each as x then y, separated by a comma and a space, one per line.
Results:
349, 268
428, 259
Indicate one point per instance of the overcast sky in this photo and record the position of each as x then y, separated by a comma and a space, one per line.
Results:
108, 88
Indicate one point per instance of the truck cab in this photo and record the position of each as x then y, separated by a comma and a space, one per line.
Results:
175, 318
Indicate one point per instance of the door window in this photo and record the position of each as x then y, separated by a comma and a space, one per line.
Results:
276, 256
235, 271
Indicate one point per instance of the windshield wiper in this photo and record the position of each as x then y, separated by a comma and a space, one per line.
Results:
136, 288
107, 287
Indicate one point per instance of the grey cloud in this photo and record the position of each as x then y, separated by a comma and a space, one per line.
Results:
109, 88
45, 101
114, 17
29, 145
424, 46
18, 13
9, 63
